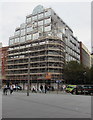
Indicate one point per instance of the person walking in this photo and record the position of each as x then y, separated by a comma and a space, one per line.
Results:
33, 89
45, 88
41, 88
11, 89
5, 90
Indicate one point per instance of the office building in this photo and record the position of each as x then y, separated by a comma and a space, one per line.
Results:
85, 55
0, 65
40, 47
4, 63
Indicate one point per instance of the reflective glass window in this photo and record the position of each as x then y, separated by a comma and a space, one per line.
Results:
40, 16
29, 29
34, 18
28, 20
17, 32
47, 21
22, 39
11, 41
35, 36
22, 32
48, 13
59, 35
40, 29
28, 37
16, 40
48, 28
40, 23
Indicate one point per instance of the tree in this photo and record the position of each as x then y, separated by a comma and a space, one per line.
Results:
74, 73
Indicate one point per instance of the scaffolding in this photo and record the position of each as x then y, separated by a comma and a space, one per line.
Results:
46, 56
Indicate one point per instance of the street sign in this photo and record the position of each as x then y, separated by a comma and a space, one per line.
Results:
58, 81
48, 75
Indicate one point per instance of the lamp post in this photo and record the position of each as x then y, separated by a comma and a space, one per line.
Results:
28, 82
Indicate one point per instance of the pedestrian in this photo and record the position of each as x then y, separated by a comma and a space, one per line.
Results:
45, 88
11, 89
64, 88
41, 88
33, 89
5, 90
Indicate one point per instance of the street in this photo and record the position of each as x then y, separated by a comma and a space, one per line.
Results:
40, 105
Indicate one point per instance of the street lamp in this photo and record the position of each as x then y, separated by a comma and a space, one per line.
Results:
28, 82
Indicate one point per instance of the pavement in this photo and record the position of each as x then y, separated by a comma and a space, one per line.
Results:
50, 105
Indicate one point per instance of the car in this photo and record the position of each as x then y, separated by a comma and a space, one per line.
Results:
85, 89
17, 88
71, 89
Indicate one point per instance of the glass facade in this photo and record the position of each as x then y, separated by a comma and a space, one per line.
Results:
47, 21
22, 32
40, 23
48, 13
22, 39
28, 20
29, 29
34, 18
16, 40
11, 41
40, 16
17, 32
47, 28
28, 37
35, 36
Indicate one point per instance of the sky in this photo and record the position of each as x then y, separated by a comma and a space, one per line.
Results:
77, 15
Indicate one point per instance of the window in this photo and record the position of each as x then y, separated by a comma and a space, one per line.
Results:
22, 39
41, 43
29, 29
59, 35
34, 18
40, 16
34, 44
28, 20
48, 28
28, 45
22, 47
21, 56
17, 32
16, 40
40, 23
40, 29
48, 13
63, 30
28, 37
35, 36
11, 41
47, 21
22, 32
17, 47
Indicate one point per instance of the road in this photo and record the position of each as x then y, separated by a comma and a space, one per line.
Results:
40, 105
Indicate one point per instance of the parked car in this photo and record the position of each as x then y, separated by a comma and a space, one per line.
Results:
85, 89
80, 89
71, 89
17, 88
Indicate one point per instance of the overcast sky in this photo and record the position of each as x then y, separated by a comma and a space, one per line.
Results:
77, 15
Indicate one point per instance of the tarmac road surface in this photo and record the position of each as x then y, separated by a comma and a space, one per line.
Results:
40, 105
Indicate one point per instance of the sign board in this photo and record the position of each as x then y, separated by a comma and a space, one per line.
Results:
48, 75
58, 81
